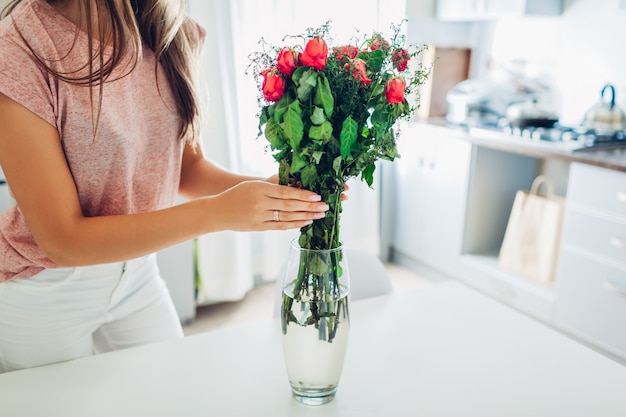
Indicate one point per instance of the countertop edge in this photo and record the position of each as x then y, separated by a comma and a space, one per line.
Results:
614, 159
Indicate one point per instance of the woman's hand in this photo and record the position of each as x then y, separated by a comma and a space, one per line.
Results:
274, 180
262, 205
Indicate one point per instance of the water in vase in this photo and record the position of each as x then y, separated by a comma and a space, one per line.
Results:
315, 339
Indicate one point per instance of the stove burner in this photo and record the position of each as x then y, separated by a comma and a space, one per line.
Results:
587, 139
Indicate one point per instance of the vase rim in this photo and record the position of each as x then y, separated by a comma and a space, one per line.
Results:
296, 245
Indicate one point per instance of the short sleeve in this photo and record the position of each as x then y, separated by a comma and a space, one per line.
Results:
24, 80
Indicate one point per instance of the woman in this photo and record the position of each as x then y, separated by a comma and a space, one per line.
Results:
99, 121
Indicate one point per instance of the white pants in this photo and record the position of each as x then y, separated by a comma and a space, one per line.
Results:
68, 313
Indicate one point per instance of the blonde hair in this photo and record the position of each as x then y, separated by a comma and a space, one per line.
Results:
122, 25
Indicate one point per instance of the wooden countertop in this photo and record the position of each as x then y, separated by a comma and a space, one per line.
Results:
612, 158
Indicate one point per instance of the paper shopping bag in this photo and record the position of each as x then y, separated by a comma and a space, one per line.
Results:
531, 241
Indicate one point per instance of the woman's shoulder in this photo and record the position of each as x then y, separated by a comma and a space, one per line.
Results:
36, 26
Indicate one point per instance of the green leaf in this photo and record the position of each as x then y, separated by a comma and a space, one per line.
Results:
280, 108
337, 165
264, 115
378, 89
297, 163
317, 265
391, 153
309, 176
297, 74
317, 155
348, 136
324, 96
321, 133
380, 118
283, 172
374, 60
317, 118
368, 174
292, 126
306, 84
274, 135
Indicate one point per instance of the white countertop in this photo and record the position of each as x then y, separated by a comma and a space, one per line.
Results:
442, 351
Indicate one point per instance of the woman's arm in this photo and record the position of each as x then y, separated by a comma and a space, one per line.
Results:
201, 177
37, 172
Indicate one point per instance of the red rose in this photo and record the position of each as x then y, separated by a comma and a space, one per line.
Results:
394, 90
287, 61
359, 71
273, 84
378, 42
400, 59
346, 51
315, 54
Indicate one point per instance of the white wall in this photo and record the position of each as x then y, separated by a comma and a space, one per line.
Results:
3, 3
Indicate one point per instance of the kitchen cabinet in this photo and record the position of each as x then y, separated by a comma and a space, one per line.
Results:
431, 181
591, 280
468, 10
454, 194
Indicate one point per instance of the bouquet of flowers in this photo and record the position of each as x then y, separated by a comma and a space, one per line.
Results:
329, 112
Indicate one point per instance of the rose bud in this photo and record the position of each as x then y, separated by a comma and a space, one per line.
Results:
273, 84
287, 61
394, 90
346, 51
400, 59
357, 67
378, 42
315, 54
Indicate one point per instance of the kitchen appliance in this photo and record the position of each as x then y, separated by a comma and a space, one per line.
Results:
605, 117
479, 102
575, 139
531, 113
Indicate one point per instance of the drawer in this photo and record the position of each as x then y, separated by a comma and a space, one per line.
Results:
591, 301
597, 235
598, 188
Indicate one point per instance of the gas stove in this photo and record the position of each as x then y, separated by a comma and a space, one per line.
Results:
576, 139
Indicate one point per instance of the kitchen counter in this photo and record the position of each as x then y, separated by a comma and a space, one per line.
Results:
614, 159
442, 351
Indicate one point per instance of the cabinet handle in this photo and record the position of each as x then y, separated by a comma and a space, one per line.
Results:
614, 288
621, 196
617, 243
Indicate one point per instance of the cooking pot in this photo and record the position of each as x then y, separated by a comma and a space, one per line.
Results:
605, 116
531, 113
478, 101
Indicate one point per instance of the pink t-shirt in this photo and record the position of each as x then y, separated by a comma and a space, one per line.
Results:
131, 166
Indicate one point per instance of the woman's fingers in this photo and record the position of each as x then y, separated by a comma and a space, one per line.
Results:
260, 205
291, 216
290, 193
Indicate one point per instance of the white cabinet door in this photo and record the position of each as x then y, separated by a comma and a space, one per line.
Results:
431, 192
591, 278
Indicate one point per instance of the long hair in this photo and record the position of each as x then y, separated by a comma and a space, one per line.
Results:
122, 25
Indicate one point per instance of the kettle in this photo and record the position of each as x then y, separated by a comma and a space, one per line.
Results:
605, 116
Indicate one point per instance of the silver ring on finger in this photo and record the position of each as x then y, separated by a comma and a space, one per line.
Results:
276, 218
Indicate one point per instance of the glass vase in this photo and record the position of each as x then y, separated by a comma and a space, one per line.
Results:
315, 321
